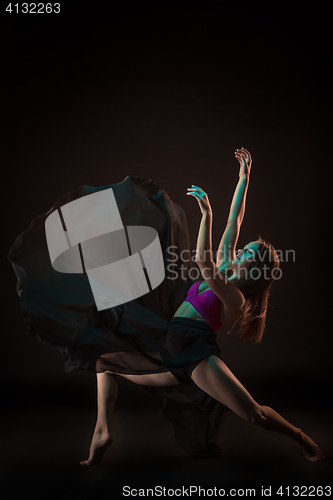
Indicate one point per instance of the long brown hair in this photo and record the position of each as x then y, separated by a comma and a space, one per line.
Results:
255, 286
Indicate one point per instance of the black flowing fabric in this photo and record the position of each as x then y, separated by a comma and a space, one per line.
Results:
59, 310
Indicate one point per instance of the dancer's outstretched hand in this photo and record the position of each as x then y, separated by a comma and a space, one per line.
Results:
245, 161
201, 197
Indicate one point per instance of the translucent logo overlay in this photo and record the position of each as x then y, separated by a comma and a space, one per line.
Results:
87, 236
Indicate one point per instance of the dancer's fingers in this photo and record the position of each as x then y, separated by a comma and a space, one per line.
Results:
197, 187
242, 156
243, 151
196, 195
248, 153
196, 190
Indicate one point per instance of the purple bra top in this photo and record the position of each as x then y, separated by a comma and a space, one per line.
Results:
207, 304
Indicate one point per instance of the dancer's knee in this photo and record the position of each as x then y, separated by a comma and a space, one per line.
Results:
213, 361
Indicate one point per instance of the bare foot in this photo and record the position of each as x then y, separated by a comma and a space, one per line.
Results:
311, 451
100, 442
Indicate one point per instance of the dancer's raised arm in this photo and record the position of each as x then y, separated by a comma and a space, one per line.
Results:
231, 297
227, 246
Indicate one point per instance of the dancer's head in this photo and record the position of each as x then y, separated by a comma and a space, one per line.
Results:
255, 267
254, 270
244, 260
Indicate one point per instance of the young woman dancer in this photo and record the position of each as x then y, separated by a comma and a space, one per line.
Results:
235, 288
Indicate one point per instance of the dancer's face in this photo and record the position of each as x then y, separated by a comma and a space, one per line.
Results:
245, 258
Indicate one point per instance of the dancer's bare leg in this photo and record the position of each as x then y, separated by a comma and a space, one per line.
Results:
154, 379
159, 379
107, 390
214, 377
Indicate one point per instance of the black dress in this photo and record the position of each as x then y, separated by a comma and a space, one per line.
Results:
60, 310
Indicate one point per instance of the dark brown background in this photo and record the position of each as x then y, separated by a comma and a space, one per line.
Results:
168, 92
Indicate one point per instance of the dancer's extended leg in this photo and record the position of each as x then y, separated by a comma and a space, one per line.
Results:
154, 379
107, 389
160, 379
214, 377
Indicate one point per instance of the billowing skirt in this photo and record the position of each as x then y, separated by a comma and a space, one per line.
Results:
137, 336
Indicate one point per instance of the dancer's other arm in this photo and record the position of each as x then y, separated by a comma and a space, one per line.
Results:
227, 246
228, 293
